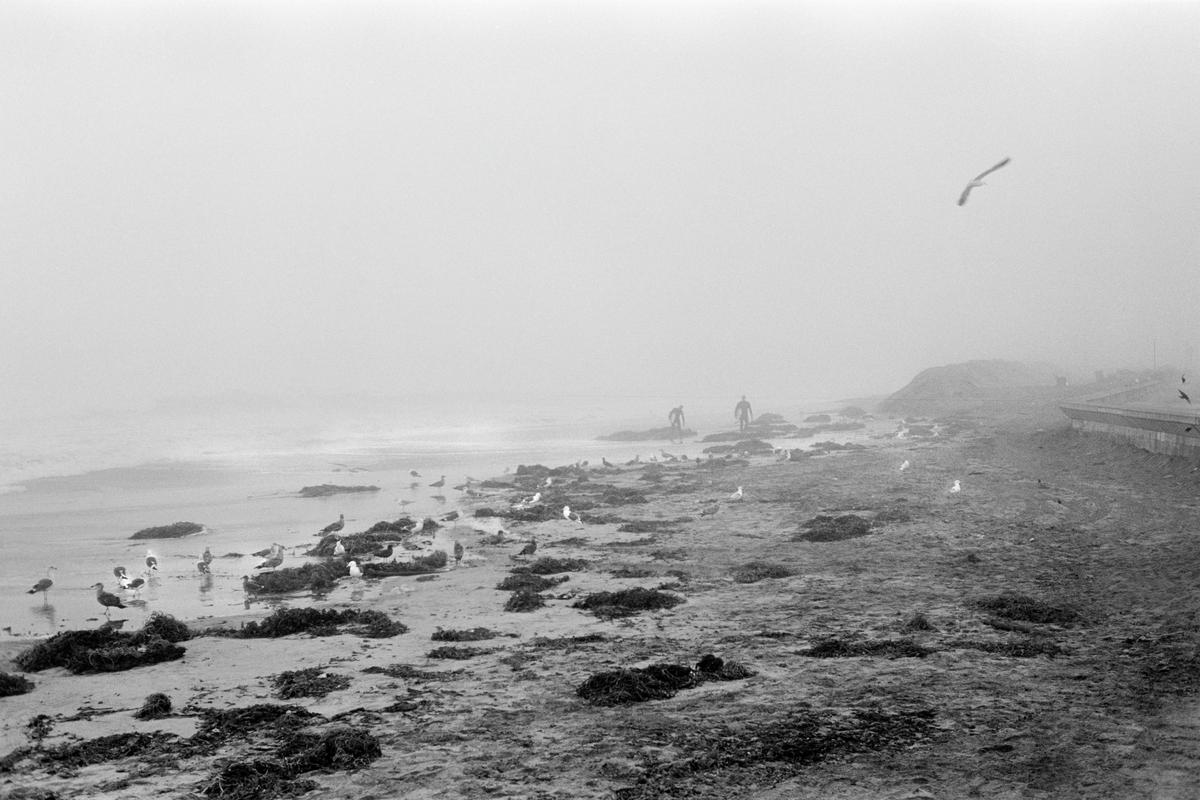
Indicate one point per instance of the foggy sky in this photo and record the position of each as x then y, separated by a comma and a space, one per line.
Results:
669, 199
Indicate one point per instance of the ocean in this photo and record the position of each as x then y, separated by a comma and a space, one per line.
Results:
74, 489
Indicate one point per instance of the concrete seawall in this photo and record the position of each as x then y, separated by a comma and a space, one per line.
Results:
1171, 432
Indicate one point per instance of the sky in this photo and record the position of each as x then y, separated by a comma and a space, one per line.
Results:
661, 199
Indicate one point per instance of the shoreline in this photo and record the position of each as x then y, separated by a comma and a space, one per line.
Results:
999, 724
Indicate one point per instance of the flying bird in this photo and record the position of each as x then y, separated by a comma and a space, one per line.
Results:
978, 181
334, 527
1183, 395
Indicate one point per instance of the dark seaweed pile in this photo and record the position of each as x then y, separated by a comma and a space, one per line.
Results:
287, 621
549, 566
841, 648
755, 571
1022, 607
468, 635
157, 706
824, 528
521, 580
627, 602
316, 578
101, 650
14, 684
525, 599
309, 682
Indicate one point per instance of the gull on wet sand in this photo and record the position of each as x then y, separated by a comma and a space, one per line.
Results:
978, 180
107, 599
905, 465
334, 527
151, 560
737, 496
957, 487
44, 584
439, 483
203, 568
529, 549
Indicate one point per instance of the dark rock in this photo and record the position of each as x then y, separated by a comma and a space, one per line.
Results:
175, 530
328, 489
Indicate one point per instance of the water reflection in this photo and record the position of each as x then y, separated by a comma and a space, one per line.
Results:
47, 615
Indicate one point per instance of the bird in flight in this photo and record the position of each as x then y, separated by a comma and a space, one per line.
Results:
1183, 396
978, 181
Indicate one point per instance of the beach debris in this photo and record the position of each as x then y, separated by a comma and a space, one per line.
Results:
334, 527
173, 531
112, 624
156, 706
1012, 605
755, 571
468, 635
308, 682
833, 647
524, 599
917, 621
627, 602
317, 622
103, 649
44, 584
107, 599
14, 684
456, 653
826, 528
977, 181
1030, 647
458, 553
657, 681
525, 579
316, 578
956, 488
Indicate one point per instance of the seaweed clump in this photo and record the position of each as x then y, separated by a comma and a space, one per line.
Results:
340, 748
14, 684
549, 566
468, 635
891, 648
755, 571
456, 653
317, 578
521, 580
421, 565
100, 650
173, 531
309, 682
627, 602
525, 599
156, 706
318, 622
657, 681
825, 528
1029, 648
1012, 605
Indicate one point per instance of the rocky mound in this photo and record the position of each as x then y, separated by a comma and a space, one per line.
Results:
967, 383
651, 435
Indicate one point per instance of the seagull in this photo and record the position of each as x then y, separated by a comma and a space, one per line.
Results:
44, 584
439, 483
355, 572
414, 473
107, 599
956, 488
571, 516
118, 572
529, 549
203, 568
132, 584
605, 462
549, 482
339, 549
978, 181
737, 496
384, 553
272, 561
1183, 396
207, 556
905, 465
334, 527
708, 512
151, 561
458, 553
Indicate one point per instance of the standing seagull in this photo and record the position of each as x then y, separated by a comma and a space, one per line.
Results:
44, 584
978, 181
737, 496
529, 549
355, 572
334, 527
151, 560
207, 556
439, 483
956, 488
905, 465
107, 599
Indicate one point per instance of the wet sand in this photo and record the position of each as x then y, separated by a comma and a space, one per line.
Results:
1073, 521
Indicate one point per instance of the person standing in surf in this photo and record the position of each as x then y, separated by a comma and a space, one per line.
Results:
676, 419
743, 414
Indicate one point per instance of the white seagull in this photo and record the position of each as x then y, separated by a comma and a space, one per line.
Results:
737, 496
978, 181
355, 572
956, 488
905, 465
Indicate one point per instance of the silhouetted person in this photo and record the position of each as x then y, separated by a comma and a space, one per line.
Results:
676, 418
742, 413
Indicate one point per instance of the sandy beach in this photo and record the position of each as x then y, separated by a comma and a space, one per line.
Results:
880, 664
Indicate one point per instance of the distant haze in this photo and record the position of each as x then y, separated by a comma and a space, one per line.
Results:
587, 199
